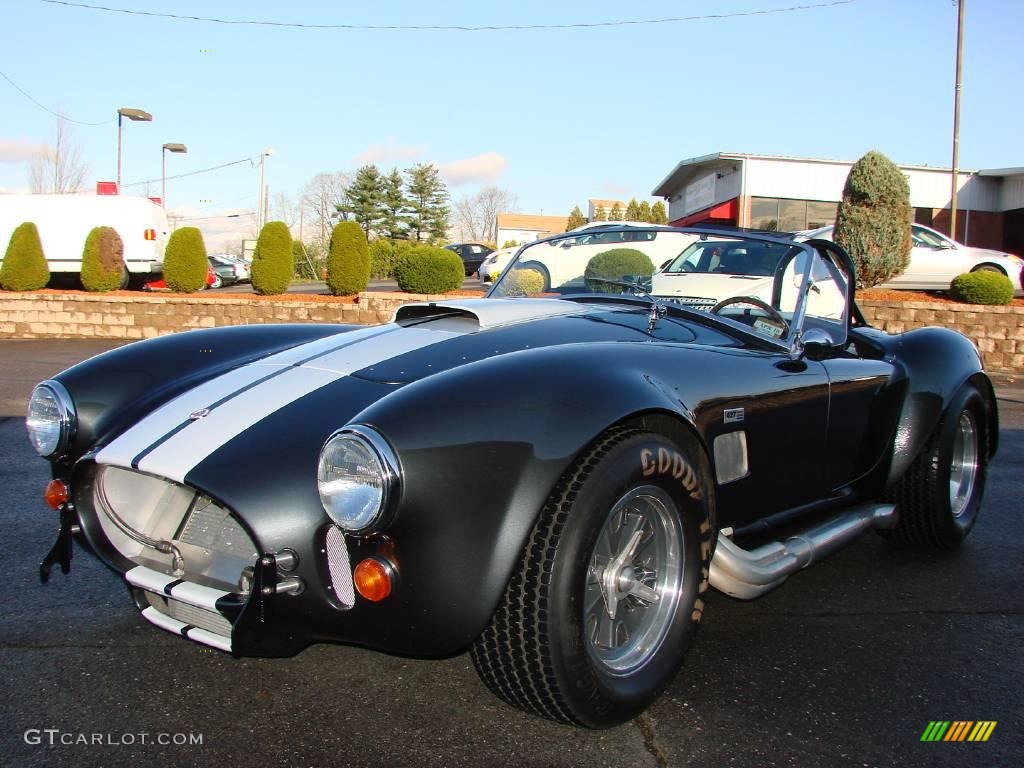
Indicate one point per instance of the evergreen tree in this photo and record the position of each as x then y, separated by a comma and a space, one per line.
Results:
600, 214
364, 199
633, 210
393, 224
103, 261
644, 211
873, 222
348, 265
273, 262
616, 214
185, 263
24, 267
658, 213
427, 198
575, 219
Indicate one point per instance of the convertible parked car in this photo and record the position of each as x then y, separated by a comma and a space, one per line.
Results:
298, 484
936, 259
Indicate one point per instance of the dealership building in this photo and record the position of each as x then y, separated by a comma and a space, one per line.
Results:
793, 193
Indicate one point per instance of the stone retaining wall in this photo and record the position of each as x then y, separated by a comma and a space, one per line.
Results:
998, 331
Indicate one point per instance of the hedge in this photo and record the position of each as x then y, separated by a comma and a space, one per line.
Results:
522, 282
185, 263
348, 262
982, 287
383, 255
427, 269
103, 261
616, 264
272, 262
24, 267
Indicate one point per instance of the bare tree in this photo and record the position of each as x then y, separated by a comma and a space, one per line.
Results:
60, 168
322, 198
286, 209
476, 216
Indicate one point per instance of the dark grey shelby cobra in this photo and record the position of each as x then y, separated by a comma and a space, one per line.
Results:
550, 477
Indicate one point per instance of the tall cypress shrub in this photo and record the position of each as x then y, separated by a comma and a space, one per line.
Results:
25, 267
272, 262
348, 263
103, 260
185, 263
873, 222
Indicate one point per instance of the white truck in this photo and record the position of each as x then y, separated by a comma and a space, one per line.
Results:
64, 222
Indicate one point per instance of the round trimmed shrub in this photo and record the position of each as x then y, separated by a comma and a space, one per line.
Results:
348, 262
982, 288
272, 262
616, 264
185, 263
382, 257
522, 282
427, 269
103, 261
24, 267
873, 221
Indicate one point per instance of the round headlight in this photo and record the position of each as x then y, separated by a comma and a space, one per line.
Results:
50, 419
356, 478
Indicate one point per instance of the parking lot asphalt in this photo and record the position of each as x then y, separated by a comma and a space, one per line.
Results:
844, 665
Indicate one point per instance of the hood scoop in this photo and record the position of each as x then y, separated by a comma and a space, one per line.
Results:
486, 313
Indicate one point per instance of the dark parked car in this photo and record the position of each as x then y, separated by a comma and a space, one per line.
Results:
229, 271
308, 483
472, 255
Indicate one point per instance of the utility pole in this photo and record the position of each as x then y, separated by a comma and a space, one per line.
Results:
956, 116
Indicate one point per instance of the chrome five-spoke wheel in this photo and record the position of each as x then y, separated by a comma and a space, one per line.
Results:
964, 464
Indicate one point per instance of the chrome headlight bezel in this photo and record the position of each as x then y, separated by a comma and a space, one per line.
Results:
387, 470
66, 419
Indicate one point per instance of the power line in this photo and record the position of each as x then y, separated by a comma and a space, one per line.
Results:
29, 96
190, 173
222, 216
452, 27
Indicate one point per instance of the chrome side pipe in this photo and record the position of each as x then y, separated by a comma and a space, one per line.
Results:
746, 574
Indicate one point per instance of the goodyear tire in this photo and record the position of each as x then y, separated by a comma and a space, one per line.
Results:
606, 599
939, 497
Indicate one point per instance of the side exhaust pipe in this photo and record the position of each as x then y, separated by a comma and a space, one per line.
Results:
746, 574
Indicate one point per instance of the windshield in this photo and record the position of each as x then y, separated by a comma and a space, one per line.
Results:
694, 269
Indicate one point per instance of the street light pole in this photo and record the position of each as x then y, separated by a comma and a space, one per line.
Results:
178, 148
261, 207
956, 117
138, 115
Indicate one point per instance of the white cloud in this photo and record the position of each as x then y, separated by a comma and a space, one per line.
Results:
486, 167
388, 153
18, 151
615, 189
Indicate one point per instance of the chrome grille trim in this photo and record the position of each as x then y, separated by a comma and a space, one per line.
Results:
340, 568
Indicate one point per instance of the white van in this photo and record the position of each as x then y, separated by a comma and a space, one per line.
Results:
64, 222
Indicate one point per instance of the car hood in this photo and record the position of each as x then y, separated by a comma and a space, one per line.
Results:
988, 253
710, 286
299, 396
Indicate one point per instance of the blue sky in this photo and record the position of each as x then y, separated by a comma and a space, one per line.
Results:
554, 116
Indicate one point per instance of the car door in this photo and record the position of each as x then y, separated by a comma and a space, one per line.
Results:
934, 261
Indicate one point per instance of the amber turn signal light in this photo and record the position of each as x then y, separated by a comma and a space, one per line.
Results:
373, 578
56, 493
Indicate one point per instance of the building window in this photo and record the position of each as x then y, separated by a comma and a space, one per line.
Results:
764, 213
780, 215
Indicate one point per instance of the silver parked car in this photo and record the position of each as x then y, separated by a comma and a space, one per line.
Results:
936, 259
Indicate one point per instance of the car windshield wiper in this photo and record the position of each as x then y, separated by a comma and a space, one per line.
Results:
658, 309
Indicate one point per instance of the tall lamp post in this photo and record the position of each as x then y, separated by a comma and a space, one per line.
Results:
138, 115
178, 148
261, 205
956, 119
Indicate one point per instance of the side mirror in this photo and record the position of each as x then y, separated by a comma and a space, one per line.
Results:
816, 343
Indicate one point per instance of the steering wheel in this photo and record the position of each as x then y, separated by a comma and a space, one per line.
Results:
753, 301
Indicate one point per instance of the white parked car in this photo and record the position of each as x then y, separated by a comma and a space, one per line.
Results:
935, 260
495, 263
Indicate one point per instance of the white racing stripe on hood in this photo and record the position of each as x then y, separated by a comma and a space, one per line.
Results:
177, 453
170, 415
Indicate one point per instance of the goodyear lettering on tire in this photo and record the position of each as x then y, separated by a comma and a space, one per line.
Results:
670, 463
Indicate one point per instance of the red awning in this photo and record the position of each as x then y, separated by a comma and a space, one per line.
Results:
726, 213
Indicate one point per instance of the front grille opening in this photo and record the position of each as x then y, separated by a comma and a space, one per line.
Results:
189, 614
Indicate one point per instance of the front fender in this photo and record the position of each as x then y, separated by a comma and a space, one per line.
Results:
481, 447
